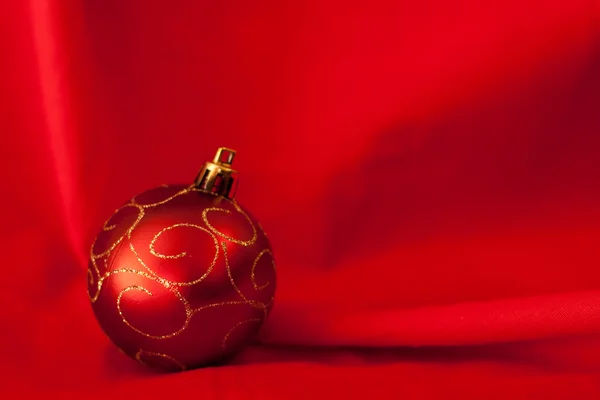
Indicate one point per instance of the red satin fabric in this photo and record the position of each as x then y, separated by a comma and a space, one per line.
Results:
428, 174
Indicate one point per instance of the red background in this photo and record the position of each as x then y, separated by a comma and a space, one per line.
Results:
428, 173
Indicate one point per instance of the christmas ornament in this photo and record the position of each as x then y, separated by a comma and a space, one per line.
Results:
183, 276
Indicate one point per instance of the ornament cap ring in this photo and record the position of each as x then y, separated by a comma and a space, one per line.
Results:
217, 176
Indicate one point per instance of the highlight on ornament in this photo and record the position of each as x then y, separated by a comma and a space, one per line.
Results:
183, 276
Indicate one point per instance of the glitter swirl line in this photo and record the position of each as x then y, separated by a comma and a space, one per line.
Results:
142, 263
104, 261
158, 203
235, 286
221, 304
253, 303
186, 305
224, 343
94, 271
252, 274
107, 228
140, 353
91, 281
180, 255
245, 243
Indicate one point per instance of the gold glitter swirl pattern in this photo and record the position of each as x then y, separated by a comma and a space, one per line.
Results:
91, 281
249, 242
235, 286
142, 263
253, 303
188, 311
221, 304
180, 255
224, 343
96, 278
141, 213
143, 353
158, 203
107, 228
252, 275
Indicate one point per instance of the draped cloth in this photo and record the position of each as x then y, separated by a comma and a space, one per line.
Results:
428, 173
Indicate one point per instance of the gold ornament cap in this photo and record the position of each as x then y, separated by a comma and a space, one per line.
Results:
217, 176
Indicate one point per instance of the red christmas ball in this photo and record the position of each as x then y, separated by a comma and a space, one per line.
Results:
182, 276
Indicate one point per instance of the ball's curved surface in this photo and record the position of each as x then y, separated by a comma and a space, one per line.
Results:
180, 278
